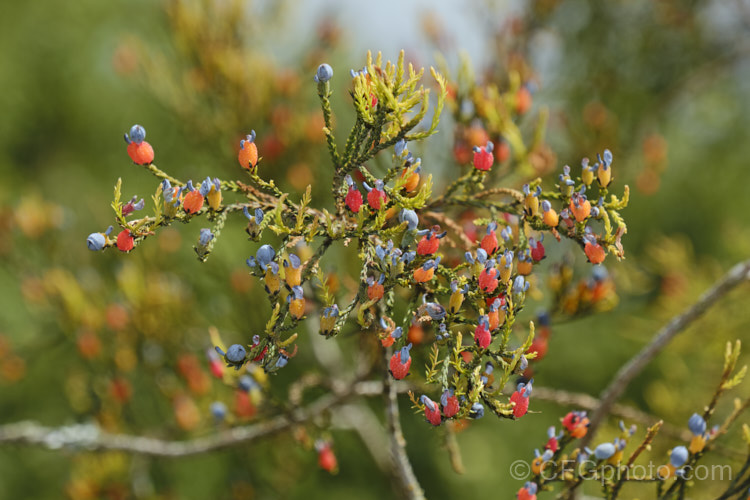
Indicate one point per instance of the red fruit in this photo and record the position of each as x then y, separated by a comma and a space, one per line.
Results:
186, 412
476, 136
433, 415
88, 344
375, 291
523, 100
552, 445
462, 153
193, 202
522, 404
262, 353
198, 382
388, 341
451, 91
187, 365
525, 266
326, 459
125, 241
537, 252
483, 159
248, 155
216, 367
488, 280
523, 494
353, 200
538, 346
428, 245
272, 146
415, 334
593, 251
482, 336
489, 243
491, 300
243, 406
543, 332
399, 370
451, 406
141, 154
581, 429
581, 209
502, 151
422, 275
570, 420
120, 390
117, 317
412, 182
376, 198
576, 424
494, 317
133, 151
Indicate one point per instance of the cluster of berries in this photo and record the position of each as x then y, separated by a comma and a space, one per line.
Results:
482, 295
188, 197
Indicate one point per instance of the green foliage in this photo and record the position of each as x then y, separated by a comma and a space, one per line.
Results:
650, 80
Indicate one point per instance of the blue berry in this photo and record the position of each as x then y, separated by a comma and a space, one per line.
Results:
205, 237
246, 383
218, 410
324, 73
697, 425
410, 217
678, 456
265, 255
282, 361
399, 147
137, 134
477, 411
95, 241
235, 355
604, 451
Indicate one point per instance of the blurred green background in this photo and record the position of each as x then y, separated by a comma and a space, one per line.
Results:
663, 84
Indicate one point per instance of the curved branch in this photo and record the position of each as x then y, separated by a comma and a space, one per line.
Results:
401, 465
632, 415
90, 437
737, 275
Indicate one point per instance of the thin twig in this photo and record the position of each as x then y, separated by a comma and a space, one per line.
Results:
90, 437
454, 452
730, 420
361, 418
738, 274
627, 413
402, 466
650, 435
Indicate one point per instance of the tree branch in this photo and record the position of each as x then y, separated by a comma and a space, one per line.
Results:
90, 437
361, 419
737, 275
402, 467
630, 414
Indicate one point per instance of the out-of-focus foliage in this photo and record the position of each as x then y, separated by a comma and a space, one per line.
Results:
664, 84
